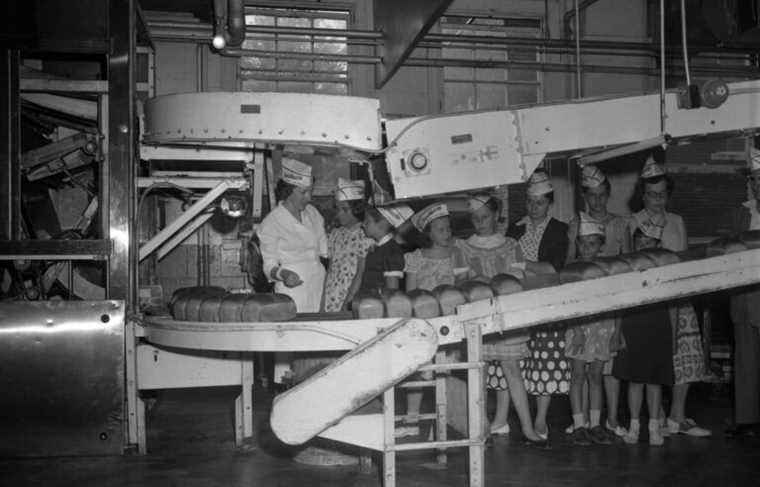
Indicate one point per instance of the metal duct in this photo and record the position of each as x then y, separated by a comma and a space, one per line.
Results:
235, 23
229, 23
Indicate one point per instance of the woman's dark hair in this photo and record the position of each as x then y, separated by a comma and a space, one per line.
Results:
358, 208
637, 200
550, 196
639, 234
283, 190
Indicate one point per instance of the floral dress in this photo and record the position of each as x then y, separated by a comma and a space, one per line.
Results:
547, 370
345, 247
487, 257
688, 353
432, 272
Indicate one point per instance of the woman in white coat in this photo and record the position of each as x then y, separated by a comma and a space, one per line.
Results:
292, 241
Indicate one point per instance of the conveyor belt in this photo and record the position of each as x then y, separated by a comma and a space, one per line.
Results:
520, 310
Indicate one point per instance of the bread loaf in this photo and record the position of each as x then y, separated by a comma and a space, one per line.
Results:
180, 297
277, 307
503, 284
639, 261
231, 308
662, 256
210, 309
751, 238
448, 298
613, 265
540, 275
397, 303
580, 271
193, 300
723, 246
424, 304
368, 305
475, 290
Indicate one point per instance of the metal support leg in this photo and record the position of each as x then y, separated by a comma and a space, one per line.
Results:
389, 427
476, 404
440, 407
244, 402
141, 425
135, 426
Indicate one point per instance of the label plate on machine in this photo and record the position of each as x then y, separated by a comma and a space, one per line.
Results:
451, 153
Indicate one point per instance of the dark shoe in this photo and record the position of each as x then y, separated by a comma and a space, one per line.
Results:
540, 444
742, 431
599, 436
580, 437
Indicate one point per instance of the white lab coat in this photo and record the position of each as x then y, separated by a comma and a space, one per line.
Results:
296, 246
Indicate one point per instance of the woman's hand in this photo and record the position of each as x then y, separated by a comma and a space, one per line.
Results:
290, 278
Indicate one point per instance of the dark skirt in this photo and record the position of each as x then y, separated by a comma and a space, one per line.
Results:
648, 354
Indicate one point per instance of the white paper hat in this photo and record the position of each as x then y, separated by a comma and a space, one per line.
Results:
589, 226
649, 226
349, 190
396, 214
652, 169
296, 173
476, 202
591, 176
539, 184
428, 214
753, 164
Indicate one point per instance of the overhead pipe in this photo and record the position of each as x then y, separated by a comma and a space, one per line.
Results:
235, 23
180, 30
479, 63
229, 23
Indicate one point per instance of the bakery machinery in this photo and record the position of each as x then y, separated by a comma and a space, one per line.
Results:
421, 157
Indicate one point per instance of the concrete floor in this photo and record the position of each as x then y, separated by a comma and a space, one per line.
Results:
190, 443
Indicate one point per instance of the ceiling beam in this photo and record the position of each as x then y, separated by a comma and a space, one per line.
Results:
403, 24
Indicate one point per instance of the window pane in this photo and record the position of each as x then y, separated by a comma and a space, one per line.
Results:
330, 24
297, 46
488, 74
331, 47
522, 94
293, 22
295, 86
331, 88
458, 73
294, 65
259, 20
260, 44
523, 75
258, 85
331, 66
251, 62
459, 97
491, 96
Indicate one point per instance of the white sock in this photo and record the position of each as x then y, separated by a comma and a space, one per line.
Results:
654, 424
634, 425
594, 416
578, 421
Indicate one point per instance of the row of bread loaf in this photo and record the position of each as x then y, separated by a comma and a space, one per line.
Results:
214, 304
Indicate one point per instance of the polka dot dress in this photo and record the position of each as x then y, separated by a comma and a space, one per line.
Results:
547, 371
495, 378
